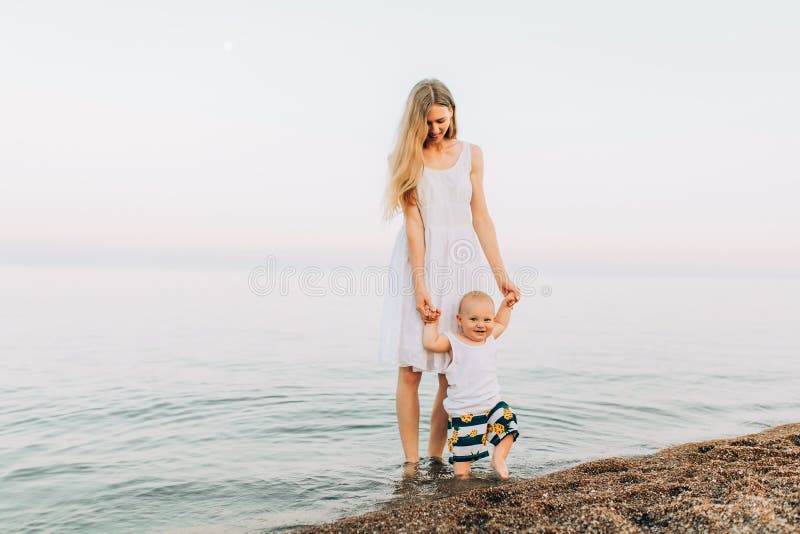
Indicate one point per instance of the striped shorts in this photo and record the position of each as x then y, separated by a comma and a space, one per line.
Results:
468, 434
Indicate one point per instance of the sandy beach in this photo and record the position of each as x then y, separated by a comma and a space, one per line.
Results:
745, 484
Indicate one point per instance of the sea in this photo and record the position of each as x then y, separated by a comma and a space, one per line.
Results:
182, 400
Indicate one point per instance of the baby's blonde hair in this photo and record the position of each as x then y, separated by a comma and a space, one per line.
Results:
405, 162
474, 295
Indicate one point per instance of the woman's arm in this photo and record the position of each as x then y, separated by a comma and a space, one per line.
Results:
415, 232
483, 225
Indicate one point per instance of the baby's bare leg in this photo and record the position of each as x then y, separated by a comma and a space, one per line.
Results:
461, 469
500, 454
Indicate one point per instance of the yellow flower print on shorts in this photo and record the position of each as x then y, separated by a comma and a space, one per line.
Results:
478, 429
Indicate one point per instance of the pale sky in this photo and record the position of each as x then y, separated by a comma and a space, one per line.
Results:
618, 136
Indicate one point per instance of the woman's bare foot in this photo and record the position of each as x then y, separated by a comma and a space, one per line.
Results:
410, 468
499, 465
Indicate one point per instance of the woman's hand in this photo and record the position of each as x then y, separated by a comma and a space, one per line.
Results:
508, 288
434, 317
510, 300
424, 305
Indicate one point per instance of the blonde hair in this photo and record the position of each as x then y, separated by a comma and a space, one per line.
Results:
474, 295
405, 162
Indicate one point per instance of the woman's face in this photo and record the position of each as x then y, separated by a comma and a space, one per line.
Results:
438, 122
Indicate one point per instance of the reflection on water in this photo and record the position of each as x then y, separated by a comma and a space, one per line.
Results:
180, 400
431, 479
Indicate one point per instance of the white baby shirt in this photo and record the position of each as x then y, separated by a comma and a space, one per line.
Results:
471, 377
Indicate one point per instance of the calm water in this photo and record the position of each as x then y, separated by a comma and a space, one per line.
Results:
168, 401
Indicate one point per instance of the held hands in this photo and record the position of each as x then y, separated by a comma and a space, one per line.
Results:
434, 317
425, 307
430, 314
508, 289
510, 300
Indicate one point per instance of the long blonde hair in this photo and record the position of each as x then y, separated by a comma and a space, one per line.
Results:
405, 162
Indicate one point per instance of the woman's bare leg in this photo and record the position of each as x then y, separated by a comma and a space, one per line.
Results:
438, 436
408, 411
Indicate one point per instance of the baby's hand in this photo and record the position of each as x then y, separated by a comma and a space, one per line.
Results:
434, 317
510, 300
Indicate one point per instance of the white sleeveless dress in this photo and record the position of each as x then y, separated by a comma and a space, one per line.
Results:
454, 265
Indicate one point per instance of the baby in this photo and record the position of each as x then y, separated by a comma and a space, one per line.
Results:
477, 414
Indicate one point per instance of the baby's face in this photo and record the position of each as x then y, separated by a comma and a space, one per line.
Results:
477, 319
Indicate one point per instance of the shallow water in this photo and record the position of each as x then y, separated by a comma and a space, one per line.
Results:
170, 401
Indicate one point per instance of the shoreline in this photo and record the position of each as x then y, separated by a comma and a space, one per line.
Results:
749, 483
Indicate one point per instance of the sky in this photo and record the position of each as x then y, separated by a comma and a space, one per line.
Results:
618, 137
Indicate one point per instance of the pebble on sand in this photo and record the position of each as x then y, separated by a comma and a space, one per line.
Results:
745, 484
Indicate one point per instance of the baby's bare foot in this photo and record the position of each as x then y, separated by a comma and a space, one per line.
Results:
499, 465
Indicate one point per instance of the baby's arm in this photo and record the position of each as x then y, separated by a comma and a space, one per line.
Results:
431, 338
503, 315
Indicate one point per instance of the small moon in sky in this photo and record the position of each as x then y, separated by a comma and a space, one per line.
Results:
228, 46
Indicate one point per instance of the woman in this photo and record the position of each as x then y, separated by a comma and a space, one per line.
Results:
437, 182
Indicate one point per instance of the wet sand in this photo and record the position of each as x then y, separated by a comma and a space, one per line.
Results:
745, 484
